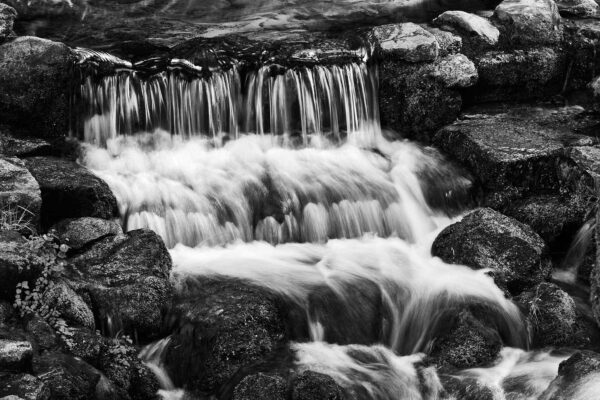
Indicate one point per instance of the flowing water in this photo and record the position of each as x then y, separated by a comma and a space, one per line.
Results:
282, 178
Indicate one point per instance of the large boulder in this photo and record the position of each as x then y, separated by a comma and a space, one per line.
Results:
34, 86
126, 279
220, 327
471, 24
406, 41
20, 196
577, 378
455, 71
529, 22
484, 238
7, 18
70, 191
312, 385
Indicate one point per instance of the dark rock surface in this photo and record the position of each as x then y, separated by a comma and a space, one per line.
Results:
222, 326
487, 239
261, 385
7, 18
582, 8
24, 386
312, 385
127, 280
580, 369
20, 196
77, 233
34, 86
15, 355
61, 297
18, 262
70, 191
11, 146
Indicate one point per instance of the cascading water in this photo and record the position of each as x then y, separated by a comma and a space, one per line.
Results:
316, 200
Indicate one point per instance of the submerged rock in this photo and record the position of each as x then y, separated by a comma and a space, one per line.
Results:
487, 239
23, 386
20, 196
473, 25
34, 86
529, 22
7, 18
406, 41
467, 343
70, 191
221, 326
577, 378
261, 386
127, 280
77, 233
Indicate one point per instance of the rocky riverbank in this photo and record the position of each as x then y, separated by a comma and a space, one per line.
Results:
510, 96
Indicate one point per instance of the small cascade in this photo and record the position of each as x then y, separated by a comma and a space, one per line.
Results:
575, 257
223, 101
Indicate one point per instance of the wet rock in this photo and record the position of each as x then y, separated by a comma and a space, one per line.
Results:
554, 217
7, 17
15, 355
20, 196
576, 376
406, 41
77, 233
468, 343
221, 326
471, 24
34, 86
517, 75
455, 71
127, 280
552, 313
516, 153
70, 191
449, 42
60, 297
487, 239
261, 386
315, 386
67, 377
23, 386
581, 8
529, 22
11, 146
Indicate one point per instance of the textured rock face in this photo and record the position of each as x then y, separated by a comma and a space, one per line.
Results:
221, 327
472, 24
407, 42
583, 368
7, 18
582, 8
487, 239
15, 355
529, 22
455, 71
72, 308
20, 196
70, 191
34, 85
11, 146
314, 386
127, 280
77, 233
17, 263
24, 386
260, 385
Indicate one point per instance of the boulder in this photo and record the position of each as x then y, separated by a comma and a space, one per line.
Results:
60, 297
7, 18
67, 377
24, 386
312, 385
449, 42
577, 378
34, 86
18, 263
467, 343
517, 75
484, 238
580, 8
77, 233
455, 71
470, 24
552, 314
407, 42
15, 355
518, 152
11, 146
20, 196
126, 279
529, 22
220, 327
70, 191
41, 334
261, 386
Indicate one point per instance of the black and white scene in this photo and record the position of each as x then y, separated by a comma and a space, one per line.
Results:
299, 199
